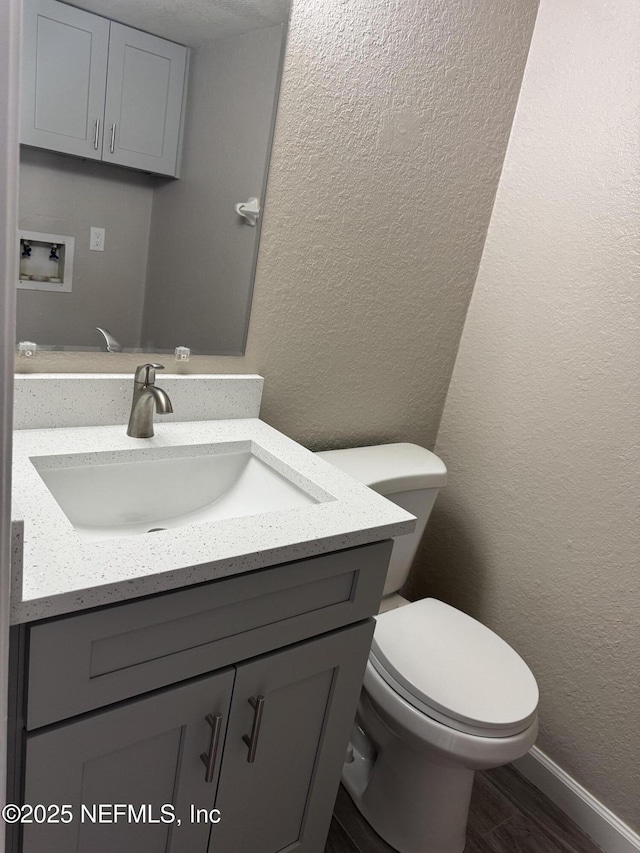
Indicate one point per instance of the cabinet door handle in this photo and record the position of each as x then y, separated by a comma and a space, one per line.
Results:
112, 144
209, 759
96, 135
252, 740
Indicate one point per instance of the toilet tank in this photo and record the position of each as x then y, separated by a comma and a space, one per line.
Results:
406, 474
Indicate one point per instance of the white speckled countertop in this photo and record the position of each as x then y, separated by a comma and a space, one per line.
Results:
56, 571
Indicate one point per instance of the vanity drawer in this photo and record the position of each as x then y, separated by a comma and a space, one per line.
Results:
78, 663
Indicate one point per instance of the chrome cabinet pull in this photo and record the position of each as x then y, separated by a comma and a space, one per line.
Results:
112, 144
209, 759
96, 135
252, 740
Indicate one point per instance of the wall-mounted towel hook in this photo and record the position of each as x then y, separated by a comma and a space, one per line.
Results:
249, 210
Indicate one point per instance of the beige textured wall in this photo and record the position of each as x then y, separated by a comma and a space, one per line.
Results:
537, 533
391, 132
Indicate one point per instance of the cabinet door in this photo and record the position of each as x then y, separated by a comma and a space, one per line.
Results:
145, 753
64, 71
145, 86
283, 799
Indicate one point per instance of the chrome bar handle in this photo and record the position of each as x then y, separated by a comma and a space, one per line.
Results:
96, 135
252, 740
209, 758
112, 144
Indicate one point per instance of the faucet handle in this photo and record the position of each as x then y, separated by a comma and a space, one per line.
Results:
146, 373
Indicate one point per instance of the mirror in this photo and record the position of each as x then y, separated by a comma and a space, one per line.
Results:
160, 262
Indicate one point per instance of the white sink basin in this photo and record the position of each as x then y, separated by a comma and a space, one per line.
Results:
160, 489
236, 495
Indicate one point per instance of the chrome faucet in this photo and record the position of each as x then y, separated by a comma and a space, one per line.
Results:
146, 397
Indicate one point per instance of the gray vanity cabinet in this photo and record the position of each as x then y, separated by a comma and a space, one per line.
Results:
271, 744
145, 752
97, 89
281, 797
236, 694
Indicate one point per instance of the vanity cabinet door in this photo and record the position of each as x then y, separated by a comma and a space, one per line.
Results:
143, 109
142, 753
290, 721
64, 67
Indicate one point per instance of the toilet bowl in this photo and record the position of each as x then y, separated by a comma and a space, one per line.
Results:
443, 695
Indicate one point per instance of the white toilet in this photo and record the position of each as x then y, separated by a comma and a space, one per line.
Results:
443, 696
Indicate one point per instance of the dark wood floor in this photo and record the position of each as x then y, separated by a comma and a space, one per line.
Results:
508, 815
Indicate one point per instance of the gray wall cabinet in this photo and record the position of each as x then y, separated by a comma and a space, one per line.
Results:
98, 89
64, 70
236, 695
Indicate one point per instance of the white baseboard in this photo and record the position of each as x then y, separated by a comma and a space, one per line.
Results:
597, 821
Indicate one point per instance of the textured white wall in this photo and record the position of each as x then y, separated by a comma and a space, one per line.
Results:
391, 132
537, 534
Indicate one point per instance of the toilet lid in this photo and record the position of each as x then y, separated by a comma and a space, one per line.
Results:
454, 669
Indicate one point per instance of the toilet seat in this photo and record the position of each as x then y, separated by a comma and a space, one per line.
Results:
454, 669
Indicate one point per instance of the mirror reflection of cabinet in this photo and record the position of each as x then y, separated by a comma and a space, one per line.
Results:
100, 90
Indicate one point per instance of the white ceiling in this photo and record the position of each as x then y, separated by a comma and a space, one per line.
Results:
192, 22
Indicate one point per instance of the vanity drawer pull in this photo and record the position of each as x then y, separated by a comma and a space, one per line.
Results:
209, 759
252, 740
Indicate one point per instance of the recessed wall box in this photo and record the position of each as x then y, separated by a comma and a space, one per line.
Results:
46, 261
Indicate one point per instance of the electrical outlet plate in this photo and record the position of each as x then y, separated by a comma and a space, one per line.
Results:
96, 241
